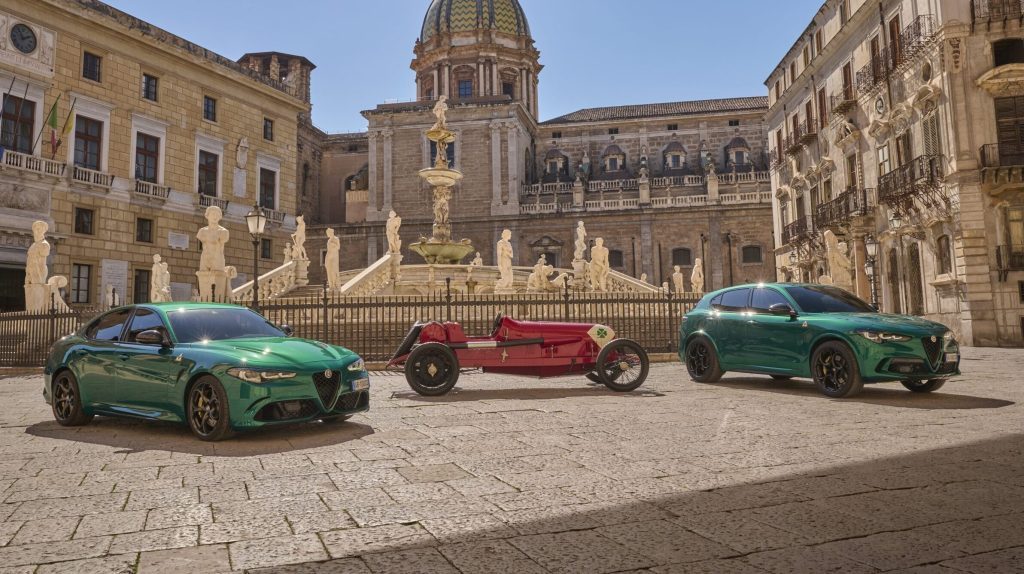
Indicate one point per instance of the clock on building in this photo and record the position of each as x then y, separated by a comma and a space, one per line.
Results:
23, 38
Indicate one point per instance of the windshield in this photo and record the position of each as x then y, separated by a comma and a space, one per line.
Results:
219, 323
827, 299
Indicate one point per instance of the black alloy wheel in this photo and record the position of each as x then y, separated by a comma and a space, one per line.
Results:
702, 361
67, 401
835, 370
432, 369
207, 410
622, 365
924, 386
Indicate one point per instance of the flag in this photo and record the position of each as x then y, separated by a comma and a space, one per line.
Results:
68, 126
51, 120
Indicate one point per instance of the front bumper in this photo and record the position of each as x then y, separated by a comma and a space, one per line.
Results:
307, 396
917, 359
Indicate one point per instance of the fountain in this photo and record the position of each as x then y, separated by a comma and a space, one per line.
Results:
439, 249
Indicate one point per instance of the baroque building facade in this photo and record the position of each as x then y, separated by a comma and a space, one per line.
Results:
896, 126
120, 134
638, 175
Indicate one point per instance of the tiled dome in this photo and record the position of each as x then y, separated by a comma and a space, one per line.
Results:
444, 16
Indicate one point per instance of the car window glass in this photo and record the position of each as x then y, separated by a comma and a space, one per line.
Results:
144, 320
219, 323
109, 326
717, 301
827, 299
735, 300
764, 297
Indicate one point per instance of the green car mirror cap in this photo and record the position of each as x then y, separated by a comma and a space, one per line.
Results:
782, 309
287, 330
256, 376
153, 337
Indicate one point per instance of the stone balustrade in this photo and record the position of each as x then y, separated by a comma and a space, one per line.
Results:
208, 200
32, 163
273, 284
630, 203
151, 189
92, 177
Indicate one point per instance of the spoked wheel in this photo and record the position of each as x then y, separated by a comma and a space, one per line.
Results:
702, 361
432, 369
67, 401
208, 410
622, 365
835, 370
924, 386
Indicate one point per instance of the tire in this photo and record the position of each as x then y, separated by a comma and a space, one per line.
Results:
594, 377
835, 370
206, 410
627, 371
66, 401
702, 361
432, 369
924, 386
781, 377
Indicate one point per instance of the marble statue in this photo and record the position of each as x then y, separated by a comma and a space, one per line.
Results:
709, 166
441, 113
580, 252
677, 279
242, 153
643, 278
37, 290
393, 225
299, 239
504, 250
288, 252
476, 262
583, 171
53, 286
212, 276
111, 298
159, 281
839, 264
538, 279
664, 287
332, 261
697, 276
599, 267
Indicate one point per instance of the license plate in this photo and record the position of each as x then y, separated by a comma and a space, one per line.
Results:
952, 357
360, 384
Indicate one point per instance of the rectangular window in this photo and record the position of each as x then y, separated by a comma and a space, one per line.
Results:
851, 169
208, 173
818, 44
903, 152
16, 127
144, 230
84, 219
81, 276
613, 131
553, 167
266, 248
844, 11
140, 293
884, 164
826, 189
822, 109
147, 157
673, 127
509, 89
91, 65
209, 109
268, 129
792, 72
1020, 289
675, 160
149, 84
932, 138
465, 88
88, 140
556, 135
268, 188
734, 122
613, 164
807, 55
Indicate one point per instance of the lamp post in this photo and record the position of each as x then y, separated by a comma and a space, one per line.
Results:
871, 247
792, 265
256, 220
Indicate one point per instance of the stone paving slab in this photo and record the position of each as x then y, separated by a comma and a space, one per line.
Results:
514, 475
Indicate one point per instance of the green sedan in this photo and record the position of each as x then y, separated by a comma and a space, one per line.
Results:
217, 367
820, 332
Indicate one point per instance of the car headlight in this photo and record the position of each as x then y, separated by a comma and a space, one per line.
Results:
257, 376
948, 335
882, 337
358, 365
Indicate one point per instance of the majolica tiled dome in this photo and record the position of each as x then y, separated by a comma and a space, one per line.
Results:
454, 16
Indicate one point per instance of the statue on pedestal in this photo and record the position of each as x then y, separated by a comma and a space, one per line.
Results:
677, 279
697, 276
504, 250
299, 239
393, 225
583, 171
213, 280
38, 290
332, 261
643, 278
580, 253
288, 252
54, 285
242, 153
599, 267
159, 281
441, 113
476, 262
839, 264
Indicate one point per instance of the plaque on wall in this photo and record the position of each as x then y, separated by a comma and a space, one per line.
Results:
26, 45
177, 240
114, 272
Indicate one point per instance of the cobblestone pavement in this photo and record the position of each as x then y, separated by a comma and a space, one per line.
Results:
512, 475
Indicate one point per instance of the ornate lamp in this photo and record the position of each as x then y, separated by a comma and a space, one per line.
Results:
256, 220
871, 247
895, 221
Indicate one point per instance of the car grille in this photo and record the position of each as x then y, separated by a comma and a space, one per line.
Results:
287, 410
352, 401
932, 349
327, 388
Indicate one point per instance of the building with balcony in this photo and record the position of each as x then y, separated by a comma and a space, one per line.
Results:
917, 164
119, 134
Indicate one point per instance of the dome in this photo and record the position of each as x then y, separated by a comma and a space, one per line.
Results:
451, 16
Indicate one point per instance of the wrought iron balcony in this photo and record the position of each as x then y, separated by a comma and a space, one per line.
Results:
775, 159
872, 74
808, 130
844, 101
988, 11
793, 142
897, 55
1009, 258
918, 177
992, 155
796, 230
839, 211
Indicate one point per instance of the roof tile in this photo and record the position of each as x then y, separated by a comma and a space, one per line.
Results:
640, 111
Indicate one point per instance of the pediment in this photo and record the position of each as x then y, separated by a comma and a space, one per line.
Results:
1006, 80
926, 97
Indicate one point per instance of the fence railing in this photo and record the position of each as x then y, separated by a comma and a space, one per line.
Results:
994, 155
996, 10
796, 229
848, 204
26, 336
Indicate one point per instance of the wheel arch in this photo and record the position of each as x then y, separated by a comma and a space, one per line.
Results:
695, 334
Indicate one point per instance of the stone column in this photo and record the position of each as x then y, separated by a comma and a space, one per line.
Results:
434, 90
577, 193
495, 165
712, 185
513, 160
495, 85
387, 133
859, 254
646, 248
371, 201
536, 102
522, 86
480, 88
447, 80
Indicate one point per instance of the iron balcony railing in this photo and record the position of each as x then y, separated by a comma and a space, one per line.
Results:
842, 102
793, 142
808, 131
847, 205
920, 175
988, 11
992, 155
795, 230
1009, 258
898, 54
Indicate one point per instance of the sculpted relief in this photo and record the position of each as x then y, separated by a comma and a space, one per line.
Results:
26, 199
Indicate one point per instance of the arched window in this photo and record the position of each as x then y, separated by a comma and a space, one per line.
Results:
943, 255
682, 256
752, 254
1008, 51
615, 259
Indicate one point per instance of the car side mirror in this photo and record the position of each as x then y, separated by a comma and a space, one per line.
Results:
782, 309
152, 337
287, 330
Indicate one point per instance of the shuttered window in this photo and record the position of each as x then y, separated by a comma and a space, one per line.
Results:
932, 139
1010, 129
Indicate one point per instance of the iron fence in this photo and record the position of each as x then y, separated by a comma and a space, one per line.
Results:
26, 336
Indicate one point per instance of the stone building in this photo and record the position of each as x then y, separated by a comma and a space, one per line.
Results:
898, 124
637, 174
157, 129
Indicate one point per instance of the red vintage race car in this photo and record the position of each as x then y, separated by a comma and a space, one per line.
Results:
434, 353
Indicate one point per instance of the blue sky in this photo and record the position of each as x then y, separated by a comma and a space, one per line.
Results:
594, 52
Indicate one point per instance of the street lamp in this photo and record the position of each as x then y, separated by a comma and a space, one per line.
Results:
793, 267
895, 221
256, 220
871, 247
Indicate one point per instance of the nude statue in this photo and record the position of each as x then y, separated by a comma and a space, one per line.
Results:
599, 267
332, 262
299, 239
697, 276
213, 237
581, 242
441, 113
677, 279
839, 263
159, 281
504, 249
393, 225
36, 270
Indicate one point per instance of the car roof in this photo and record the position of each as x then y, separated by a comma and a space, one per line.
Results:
189, 305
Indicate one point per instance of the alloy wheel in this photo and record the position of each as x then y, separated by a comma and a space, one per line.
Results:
698, 359
205, 411
63, 398
831, 367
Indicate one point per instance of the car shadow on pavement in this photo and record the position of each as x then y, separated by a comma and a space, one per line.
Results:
137, 436
885, 394
459, 394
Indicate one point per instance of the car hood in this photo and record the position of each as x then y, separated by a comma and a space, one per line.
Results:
279, 352
902, 324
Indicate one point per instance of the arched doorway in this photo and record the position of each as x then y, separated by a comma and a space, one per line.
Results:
915, 287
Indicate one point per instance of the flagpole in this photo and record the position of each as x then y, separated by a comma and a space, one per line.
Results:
17, 118
64, 128
53, 110
7, 93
